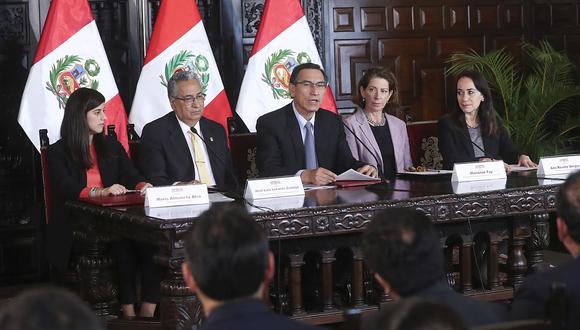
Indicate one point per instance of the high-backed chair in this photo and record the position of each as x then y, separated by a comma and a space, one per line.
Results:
243, 149
134, 141
44, 143
423, 142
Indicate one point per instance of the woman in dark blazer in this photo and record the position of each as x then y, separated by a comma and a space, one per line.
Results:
86, 163
381, 137
473, 132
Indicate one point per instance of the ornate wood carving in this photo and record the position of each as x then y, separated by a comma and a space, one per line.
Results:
14, 22
251, 13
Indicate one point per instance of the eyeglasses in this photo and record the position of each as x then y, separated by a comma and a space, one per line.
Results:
310, 84
190, 99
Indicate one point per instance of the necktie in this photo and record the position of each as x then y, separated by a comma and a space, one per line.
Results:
309, 149
199, 160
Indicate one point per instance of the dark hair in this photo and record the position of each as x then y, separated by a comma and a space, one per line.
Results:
227, 253
418, 313
487, 116
74, 130
379, 72
402, 246
49, 309
304, 66
568, 205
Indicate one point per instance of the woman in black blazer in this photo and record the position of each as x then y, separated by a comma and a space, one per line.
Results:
473, 132
86, 163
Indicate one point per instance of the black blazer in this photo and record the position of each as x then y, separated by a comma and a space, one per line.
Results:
281, 150
164, 156
250, 314
532, 296
455, 144
67, 181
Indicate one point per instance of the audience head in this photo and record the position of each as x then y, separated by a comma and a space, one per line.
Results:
227, 255
418, 314
377, 84
474, 96
186, 96
568, 207
402, 247
48, 309
84, 116
307, 86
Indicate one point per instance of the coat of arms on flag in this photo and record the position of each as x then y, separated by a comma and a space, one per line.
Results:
185, 60
279, 67
70, 73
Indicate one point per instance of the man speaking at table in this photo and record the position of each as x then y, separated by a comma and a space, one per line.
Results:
182, 146
298, 139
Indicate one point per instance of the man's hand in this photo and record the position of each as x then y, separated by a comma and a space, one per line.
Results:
368, 170
318, 176
525, 160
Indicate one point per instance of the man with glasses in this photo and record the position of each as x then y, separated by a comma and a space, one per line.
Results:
300, 140
183, 147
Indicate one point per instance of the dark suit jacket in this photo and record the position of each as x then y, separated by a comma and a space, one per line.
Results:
473, 312
455, 145
67, 181
531, 297
250, 314
281, 150
164, 156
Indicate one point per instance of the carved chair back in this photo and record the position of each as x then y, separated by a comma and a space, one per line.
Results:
423, 142
243, 150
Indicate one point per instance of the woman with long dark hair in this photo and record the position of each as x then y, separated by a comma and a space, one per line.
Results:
86, 163
473, 132
381, 139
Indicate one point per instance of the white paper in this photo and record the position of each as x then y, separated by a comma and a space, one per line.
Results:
517, 168
352, 175
429, 172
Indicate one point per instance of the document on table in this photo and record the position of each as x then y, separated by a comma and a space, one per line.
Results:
517, 168
352, 175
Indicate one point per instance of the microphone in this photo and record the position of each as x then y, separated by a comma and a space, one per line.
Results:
235, 195
485, 154
379, 163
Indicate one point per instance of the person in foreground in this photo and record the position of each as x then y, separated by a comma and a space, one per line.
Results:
403, 250
532, 297
298, 139
473, 131
172, 148
418, 314
385, 135
48, 309
86, 163
228, 265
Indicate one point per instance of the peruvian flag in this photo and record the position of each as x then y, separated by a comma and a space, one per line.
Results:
70, 55
283, 41
178, 42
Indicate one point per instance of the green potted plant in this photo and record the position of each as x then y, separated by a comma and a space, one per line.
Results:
537, 99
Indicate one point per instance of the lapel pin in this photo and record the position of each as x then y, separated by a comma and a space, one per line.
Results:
211, 138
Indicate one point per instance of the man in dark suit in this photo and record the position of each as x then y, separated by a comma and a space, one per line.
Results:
403, 250
532, 297
172, 148
300, 140
228, 265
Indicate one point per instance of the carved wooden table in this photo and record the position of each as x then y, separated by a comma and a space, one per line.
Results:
315, 239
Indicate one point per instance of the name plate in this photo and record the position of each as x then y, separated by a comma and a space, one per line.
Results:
478, 186
478, 171
176, 195
274, 187
559, 165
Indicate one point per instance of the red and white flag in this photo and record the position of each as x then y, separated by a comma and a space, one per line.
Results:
283, 41
70, 55
178, 42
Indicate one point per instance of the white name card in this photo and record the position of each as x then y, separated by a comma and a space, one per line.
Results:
176, 212
176, 195
276, 204
558, 165
478, 171
281, 186
478, 186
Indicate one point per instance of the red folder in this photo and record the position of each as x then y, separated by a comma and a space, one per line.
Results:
122, 200
354, 183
